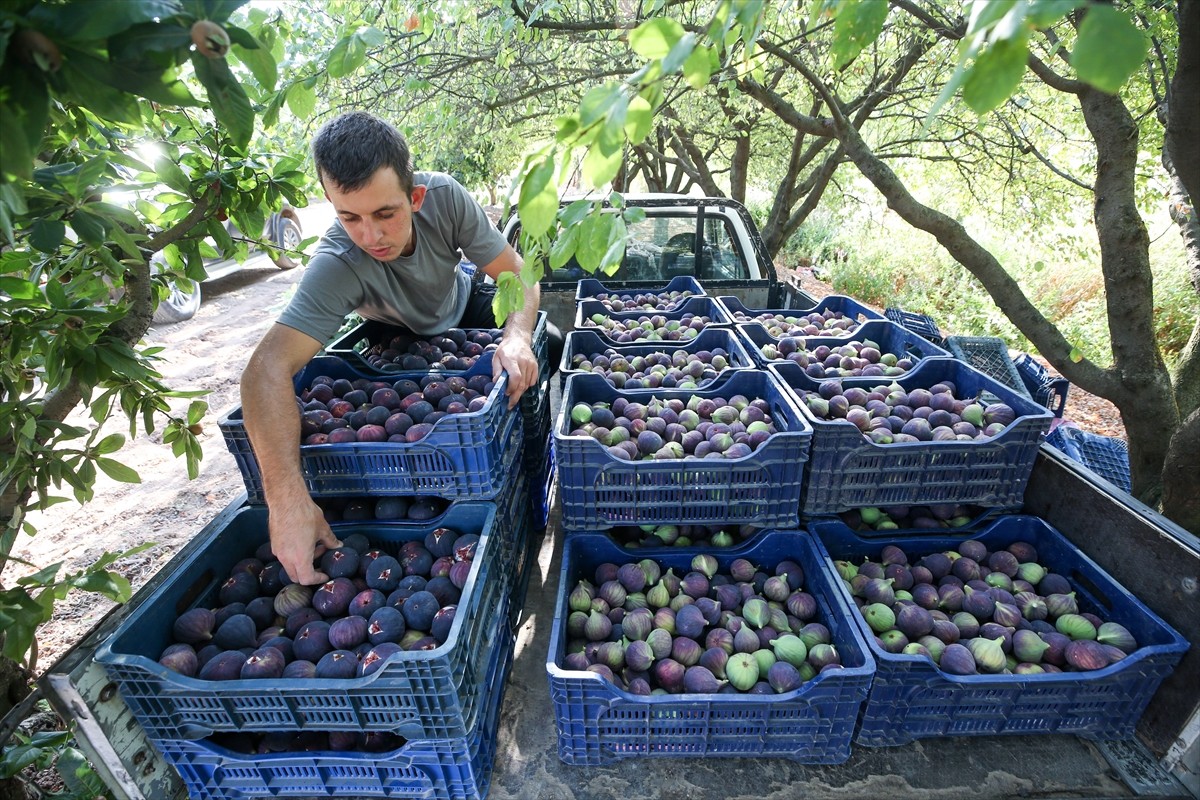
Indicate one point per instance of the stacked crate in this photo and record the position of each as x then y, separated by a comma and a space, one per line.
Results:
724, 506
417, 720
618, 513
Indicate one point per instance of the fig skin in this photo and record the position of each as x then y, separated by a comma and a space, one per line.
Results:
211, 40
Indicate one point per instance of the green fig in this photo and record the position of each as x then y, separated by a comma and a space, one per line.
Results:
1117, 635
741, 670
790, 648
879, 617
988, 653
1075, 626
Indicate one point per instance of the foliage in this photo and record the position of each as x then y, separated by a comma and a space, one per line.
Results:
54, 749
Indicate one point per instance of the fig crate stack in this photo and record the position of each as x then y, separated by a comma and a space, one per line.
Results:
387, 680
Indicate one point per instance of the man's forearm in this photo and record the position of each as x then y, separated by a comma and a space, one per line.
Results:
521, 321
274, 431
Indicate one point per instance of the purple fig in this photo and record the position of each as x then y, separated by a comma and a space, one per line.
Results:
195, 626
639, 656
978, 604
1053, 583
180, 658
945, 631
822, 655
292, 598
914, 621
236, 632
632, 577
300, 669
612, 655
814, 633
669, 675
660, 642
1006, 615
347, 633
700, 680
1028, 647
690, 622
266, 662
225, 666
686, 651
957, 660
1085, 654
783, 677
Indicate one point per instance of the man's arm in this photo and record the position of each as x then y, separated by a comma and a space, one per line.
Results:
515, 352
298, 527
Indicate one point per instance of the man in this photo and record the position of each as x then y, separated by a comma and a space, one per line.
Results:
392, 255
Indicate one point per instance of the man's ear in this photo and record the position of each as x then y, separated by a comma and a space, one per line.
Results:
418, 196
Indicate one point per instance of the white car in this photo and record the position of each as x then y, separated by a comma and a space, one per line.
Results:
282, 229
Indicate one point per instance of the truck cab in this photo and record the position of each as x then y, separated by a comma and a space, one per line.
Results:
712, 239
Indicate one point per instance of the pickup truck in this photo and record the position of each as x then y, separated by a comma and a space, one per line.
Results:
1154, 559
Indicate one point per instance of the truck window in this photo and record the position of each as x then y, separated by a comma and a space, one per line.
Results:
663, 246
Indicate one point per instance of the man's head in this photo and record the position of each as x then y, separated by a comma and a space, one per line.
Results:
349, 149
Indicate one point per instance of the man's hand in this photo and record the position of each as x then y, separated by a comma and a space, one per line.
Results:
518, 360
299, 534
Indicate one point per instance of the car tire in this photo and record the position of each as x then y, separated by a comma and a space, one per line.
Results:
289, 239
179, 306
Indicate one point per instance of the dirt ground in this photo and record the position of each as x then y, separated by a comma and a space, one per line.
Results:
208, 352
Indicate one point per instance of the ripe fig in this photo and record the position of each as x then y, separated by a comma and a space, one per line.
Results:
180, 658
211, 39
225, 666
195, 626
266, 662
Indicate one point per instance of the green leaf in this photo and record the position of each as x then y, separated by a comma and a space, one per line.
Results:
168, 172
985, 13
43, 577
112, 585
346, 56
698, 68
1038, 266
144, 82
599, 102
996, 74
1109, 49
18, 288
598, 167
1043, 13
228, 99
655, 37
639, 119
110, 444
858, 24
91, 228
23, 117
1076, 355
47, 234
117, 471
301, 100
196, 411
510, 297
87, 21
262, 66
679, 54
563, 248
538, 200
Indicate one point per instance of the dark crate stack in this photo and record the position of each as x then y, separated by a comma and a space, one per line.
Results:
881, 698
444, 703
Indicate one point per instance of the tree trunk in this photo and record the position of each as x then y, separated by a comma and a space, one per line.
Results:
1150, 413
17, 789
1180, 500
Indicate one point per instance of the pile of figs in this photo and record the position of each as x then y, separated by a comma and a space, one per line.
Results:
344, 411
681, 535
643, 301
675, 428
249, 743
888, 414
974, 611
652, 631
649, 327
355, 509
816, 323
858, 357
677, 369
454, 350
891, 518
374, 605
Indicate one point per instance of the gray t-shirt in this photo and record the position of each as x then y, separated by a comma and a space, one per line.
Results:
425, 292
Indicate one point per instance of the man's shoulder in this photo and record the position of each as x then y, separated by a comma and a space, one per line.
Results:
435, 180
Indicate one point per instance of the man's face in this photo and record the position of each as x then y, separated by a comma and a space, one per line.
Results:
378, 216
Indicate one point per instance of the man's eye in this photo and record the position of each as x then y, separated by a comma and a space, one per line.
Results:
386, 216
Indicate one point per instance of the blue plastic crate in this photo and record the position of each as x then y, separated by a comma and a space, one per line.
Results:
457, 768
890, 337
598, 489
846, 470
921, 324
911, 698
585, 310
1042, 386
599, 723
418, 694
591, 288
840, 304
354, 345
465, 456
542, 490
1107, 456
589, 342
989, 355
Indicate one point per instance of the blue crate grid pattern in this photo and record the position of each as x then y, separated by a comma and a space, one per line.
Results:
1107, 456
599, 723
599, 490
419, 694
989, 355
848, 471
455, 768
918, 323
590, 288
911, 698
1043, 387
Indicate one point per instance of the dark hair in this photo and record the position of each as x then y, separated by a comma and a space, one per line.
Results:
351, 148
